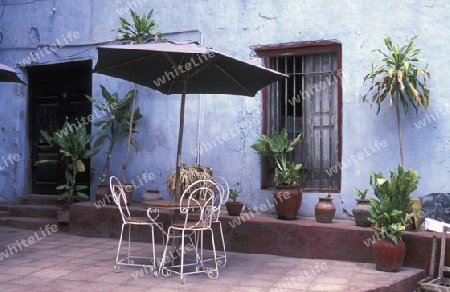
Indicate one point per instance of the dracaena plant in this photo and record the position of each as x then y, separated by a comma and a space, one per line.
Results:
276, 147
398, 78
389, 212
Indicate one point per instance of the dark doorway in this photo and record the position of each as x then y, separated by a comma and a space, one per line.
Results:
56, 94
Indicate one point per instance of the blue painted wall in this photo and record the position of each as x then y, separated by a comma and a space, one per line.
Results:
232, 27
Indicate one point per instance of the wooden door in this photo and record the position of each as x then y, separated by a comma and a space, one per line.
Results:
56, 94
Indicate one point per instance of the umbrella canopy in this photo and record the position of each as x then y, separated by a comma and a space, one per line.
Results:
8, 74
182, 68
164, 67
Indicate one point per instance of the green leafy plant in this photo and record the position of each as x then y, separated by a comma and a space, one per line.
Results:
140, 32
361, 194
117, 120
399, 79
72, 143
234, 194
389, 212
276, 147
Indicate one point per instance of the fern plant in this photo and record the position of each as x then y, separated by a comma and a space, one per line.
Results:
72, 143
389, 212
117, 120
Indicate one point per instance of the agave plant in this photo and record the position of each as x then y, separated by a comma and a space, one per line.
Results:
399, 79
72, 143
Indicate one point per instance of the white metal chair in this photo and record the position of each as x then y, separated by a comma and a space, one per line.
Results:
197, 211
119, 197
223, 190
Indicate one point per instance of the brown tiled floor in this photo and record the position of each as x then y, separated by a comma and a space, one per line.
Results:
64, 262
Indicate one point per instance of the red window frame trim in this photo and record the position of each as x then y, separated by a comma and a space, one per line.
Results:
298, 48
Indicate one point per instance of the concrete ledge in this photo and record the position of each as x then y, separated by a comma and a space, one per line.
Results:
264, 234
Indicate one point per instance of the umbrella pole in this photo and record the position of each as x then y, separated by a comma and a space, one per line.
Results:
180, 144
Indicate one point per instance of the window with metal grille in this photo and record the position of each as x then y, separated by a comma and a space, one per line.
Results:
308, 102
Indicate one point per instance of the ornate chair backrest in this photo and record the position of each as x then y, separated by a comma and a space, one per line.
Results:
223, 190
197, 204
119, 197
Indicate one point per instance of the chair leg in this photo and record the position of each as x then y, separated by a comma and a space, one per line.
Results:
220, 263
182, 275
117, 268
214, 273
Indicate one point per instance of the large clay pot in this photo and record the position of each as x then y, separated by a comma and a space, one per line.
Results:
388, 256
287, 201
324, 210
361, 212
234, 208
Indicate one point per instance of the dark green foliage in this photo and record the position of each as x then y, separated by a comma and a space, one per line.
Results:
72, 143
140, 32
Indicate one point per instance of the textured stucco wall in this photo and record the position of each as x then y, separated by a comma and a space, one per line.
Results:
232, 27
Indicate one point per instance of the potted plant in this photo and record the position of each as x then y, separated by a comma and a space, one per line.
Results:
287, 195
361, 208
234, 208
389, 213
116, 121
325, 210
73, 145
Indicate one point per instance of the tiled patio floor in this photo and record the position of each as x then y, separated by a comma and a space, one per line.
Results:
64, 262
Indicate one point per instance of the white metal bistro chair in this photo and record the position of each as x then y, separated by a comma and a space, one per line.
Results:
119, 197
223, 192
197, 211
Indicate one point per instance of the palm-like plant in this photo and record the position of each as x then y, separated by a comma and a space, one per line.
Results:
139, 32
72, 143
117, 113
399, 78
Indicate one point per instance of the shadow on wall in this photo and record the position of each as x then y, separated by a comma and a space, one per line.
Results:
436, 206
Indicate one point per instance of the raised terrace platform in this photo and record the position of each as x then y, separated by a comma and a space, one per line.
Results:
264, 234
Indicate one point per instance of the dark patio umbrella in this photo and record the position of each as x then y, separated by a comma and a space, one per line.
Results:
182, 68
8, 74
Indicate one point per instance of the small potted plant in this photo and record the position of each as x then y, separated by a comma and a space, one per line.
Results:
234, 207
389, 213
361, 208
287, 195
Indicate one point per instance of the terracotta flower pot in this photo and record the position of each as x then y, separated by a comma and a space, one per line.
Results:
325, 210
388, 256
104, 194
287, 201
234, 208
361, 212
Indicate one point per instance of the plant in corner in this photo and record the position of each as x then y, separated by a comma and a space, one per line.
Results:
116, 113
73, 144
361, 208
399, 79
287, 195
389, 215
234, 207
